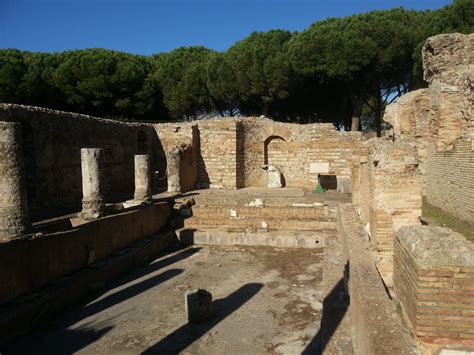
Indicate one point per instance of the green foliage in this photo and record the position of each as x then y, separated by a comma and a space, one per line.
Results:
336, 69
181, 75
12, 70
261, 68
101, 82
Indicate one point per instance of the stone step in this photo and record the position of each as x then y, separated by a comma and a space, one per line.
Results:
278, 239
256, 223
272, 212
245, 200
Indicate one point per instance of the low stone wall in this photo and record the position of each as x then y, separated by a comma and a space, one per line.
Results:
27, 264
434, 281
377, 327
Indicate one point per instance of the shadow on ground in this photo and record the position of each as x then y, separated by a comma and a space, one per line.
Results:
184, 336
59, 338
332, 317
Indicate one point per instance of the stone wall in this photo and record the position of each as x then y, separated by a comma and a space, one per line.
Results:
394, 190
434, 281
440, 119
218, 156
376, 325
180, 142
232, 151
293, 148
28, 263
52, 142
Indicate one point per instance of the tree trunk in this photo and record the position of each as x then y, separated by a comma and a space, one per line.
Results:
378, 114
355, 123
357, 102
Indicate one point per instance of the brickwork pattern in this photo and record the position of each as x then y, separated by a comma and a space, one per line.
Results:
218, 153
395, 193
436, 295
450, 182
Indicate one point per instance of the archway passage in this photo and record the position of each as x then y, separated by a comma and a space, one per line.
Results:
275, 152
273, 149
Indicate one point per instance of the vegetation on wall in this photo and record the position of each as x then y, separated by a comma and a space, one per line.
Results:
340, 70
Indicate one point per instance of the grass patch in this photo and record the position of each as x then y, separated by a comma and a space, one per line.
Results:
436, 216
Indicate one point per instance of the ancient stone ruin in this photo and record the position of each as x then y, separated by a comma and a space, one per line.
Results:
137, 215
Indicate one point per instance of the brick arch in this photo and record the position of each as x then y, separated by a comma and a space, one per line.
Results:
277, 131
265, 146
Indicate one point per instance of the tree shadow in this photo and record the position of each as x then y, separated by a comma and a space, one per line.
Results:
334, 310
184, 336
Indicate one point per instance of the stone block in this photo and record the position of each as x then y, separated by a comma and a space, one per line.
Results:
199, 306
319, 168
433, 284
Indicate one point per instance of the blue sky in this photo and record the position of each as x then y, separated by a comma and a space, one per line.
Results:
153, 26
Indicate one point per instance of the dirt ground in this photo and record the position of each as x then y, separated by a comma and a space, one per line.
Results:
266, 301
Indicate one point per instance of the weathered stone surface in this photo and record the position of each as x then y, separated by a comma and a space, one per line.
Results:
93, 204
434, 281
52, 141
436, 246
142, 178
448, 58
14, 218
395, 192
199, 306
440, 119
274, 177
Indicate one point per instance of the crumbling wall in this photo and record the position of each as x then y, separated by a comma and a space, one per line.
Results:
179, 168
232, 151
440, 119
434, 281
395, 191
52, 142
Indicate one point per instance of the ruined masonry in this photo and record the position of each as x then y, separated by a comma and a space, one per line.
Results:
84, 200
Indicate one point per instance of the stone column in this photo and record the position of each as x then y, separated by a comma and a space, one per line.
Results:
14, 217
173, 169
93, 205
142, 178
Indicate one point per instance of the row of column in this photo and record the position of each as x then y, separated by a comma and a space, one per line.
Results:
14, 216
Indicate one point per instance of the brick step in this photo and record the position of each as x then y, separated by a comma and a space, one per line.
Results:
279, 239
257, 212
258, 223
245, 200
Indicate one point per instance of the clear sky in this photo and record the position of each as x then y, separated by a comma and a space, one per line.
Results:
153, 26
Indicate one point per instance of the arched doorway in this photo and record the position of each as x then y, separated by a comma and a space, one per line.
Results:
275, 152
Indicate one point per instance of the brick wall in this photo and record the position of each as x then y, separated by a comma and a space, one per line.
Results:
292, 148
450, 179
218, 153
395, 194
231, 151
434, 281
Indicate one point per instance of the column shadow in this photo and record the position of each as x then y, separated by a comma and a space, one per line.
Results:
332, 317
45, 340
187, 334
